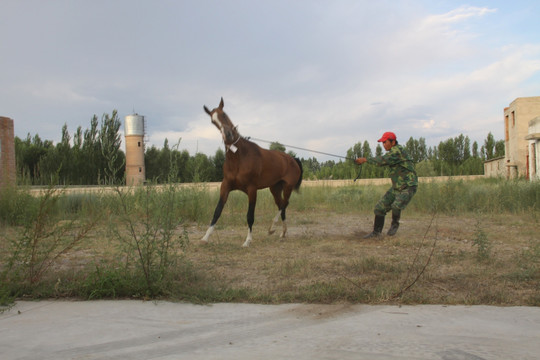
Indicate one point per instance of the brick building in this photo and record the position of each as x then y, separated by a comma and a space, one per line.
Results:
519, 144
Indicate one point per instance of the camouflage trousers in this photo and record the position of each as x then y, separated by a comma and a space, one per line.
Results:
395, 200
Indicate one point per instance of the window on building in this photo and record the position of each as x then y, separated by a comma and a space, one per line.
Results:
513, 118
140, 169
506, 124
139, 144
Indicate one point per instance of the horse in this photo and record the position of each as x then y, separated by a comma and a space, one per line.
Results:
249, 168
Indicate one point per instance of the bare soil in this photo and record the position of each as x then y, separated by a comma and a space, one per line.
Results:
465, 259
490, 259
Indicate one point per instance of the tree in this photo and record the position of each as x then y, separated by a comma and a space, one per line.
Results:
472, 166
425, 168
164, 162
109, 138
63, 157
378, 150
311, 167
151, 160
218, 160
499, 148
94, 156
200, 168
489, 146
448, 152
475, 152
467, 149
459, 151
277, 146
91, 153
366, 150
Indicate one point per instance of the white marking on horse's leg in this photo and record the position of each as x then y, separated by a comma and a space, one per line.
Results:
274, 223
284, 229
248, 239
208, 233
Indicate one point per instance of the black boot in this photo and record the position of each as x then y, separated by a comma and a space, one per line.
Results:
377, 227
395, 223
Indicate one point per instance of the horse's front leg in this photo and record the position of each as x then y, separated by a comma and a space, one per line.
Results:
252, 196
223, 195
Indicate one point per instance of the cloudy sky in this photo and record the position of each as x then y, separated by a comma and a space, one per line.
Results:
316, 74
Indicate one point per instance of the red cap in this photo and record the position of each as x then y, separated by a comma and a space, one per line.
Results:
386, 136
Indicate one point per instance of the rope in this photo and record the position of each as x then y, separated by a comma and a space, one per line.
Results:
310, 150
299, 148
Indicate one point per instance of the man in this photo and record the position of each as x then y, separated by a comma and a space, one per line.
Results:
404, 183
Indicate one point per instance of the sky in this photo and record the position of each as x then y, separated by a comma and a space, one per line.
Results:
316, 74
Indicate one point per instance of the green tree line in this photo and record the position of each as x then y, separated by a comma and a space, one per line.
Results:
94, 157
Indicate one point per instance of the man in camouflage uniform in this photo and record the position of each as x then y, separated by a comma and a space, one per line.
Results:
404, 183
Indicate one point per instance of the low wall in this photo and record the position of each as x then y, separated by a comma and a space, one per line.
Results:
384, 181
215, 185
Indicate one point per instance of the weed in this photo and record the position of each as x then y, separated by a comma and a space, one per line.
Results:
482, 243
149, 254
145, 228
17, 206
45, 239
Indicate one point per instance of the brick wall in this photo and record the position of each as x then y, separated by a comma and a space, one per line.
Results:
7, 152
135, 169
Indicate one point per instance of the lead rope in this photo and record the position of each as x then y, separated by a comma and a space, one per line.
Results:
309, 150
299, 148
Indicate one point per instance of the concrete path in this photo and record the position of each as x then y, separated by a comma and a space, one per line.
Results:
164, 330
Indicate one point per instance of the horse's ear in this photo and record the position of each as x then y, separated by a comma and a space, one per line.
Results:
221, 104
207, 111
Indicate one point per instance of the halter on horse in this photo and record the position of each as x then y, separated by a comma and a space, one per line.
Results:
249, 168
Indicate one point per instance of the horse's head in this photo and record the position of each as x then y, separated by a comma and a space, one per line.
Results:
223, 123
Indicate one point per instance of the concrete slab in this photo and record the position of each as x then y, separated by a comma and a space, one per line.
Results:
165, 330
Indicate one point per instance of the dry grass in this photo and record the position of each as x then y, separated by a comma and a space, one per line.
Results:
469, 257
325, 259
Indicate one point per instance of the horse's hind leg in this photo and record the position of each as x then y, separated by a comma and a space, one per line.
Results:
282, 203
286, 195
273, 225
276, 192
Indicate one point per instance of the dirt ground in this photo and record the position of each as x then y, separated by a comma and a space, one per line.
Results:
488, 259
471, 259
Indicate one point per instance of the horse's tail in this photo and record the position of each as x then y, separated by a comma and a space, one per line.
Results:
297, 186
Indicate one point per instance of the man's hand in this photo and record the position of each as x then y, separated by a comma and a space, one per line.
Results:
360, 161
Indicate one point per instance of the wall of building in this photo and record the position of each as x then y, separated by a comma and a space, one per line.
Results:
533, 138
495, 167
516, 123
7, 152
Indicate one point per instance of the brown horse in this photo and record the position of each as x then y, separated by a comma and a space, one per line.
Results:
249, 168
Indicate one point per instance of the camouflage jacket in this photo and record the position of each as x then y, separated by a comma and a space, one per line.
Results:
402, 170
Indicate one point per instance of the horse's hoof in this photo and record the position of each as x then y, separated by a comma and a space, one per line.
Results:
270, 232
204, 241
245, 245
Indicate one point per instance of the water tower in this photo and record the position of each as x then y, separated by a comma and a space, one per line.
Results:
7, 152
134, 129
